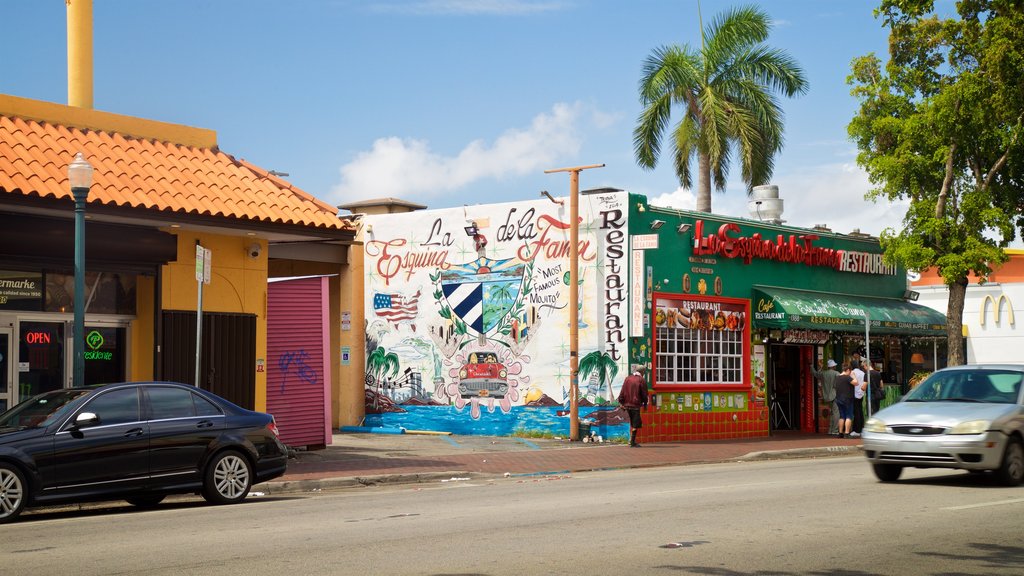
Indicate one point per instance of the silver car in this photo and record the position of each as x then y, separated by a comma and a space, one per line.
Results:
964, 417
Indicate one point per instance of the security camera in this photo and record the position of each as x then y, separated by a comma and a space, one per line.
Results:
254, 250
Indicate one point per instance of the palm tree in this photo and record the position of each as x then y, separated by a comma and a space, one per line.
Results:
725, 90
381, 363
603, 365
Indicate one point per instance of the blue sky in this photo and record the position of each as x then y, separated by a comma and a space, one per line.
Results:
449, 102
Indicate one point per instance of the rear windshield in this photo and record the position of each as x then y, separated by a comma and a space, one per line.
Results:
991, 386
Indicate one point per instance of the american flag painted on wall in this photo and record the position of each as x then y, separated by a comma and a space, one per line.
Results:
396, 307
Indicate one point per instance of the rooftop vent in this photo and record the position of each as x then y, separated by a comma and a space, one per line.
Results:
765, 204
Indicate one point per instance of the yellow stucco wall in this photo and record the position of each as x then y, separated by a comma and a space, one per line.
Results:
238, 284
349, 400
141, 329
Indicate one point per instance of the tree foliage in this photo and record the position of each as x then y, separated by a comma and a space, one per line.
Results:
725, 92
939, 125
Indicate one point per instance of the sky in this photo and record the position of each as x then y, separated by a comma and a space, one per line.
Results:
451, 102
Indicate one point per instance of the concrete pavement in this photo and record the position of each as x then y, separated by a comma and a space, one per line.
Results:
360, 459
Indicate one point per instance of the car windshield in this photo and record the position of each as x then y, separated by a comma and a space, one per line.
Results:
988, 385
40, 410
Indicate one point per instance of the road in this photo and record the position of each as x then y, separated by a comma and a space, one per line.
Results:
799, 517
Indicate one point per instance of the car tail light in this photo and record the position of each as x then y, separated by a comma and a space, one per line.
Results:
272, 426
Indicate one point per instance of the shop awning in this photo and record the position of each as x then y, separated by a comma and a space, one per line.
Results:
786, 308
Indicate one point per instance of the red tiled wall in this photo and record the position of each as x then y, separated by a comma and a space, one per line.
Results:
678, 427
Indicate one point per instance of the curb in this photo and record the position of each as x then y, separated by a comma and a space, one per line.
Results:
275, 488
318, 484
801, 453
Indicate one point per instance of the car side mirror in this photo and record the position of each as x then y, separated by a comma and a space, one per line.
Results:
86, 419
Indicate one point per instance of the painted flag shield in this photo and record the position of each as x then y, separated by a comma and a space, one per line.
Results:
483, 291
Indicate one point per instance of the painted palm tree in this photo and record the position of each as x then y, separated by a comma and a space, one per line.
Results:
602, 364
725, 92
381, 364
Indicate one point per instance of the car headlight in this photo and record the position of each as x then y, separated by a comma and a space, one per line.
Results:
874, 425
462, 374
971, 427
503, 374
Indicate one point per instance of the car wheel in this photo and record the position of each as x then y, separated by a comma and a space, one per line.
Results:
12, 492
1011, 470
145, 500
228, 478
888, 472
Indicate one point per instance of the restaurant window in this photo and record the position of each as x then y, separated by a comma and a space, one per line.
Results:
105, 293
700, 341
105, 353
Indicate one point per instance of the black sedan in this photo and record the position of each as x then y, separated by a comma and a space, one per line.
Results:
137, 441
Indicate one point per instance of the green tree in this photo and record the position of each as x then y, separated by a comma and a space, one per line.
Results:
939, 125
726, 94
602, 364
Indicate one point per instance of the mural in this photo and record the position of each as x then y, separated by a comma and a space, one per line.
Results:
467, 317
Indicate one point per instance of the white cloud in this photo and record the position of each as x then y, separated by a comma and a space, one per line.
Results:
680, 198
407, 168
833, 195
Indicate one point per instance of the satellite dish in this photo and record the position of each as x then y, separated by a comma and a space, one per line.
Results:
913, 276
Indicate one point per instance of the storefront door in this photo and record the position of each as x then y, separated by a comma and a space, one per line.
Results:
41, 359
784, 390
6, 368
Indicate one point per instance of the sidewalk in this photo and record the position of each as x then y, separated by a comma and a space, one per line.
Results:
366, 459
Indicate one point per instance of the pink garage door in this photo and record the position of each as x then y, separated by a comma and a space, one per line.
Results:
298, 387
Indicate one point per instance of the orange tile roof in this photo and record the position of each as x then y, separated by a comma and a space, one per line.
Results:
147, 173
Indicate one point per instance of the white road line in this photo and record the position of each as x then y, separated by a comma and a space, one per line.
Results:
984, 504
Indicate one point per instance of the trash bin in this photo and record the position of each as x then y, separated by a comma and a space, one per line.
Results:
584, 430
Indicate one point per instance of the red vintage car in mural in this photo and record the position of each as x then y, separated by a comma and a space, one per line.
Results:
483, 376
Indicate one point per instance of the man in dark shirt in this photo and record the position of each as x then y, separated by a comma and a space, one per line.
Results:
844, 400
875, 386
632, 397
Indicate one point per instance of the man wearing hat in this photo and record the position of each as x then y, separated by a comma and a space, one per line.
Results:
632, 397
827, 392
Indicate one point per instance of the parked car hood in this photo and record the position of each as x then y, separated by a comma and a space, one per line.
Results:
8, 434
945, 414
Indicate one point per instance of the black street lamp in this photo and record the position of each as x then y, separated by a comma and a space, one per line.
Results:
80, 178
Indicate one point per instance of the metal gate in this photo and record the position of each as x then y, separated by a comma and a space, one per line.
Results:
228, 359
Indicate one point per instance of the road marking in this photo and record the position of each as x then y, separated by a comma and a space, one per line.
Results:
984, 504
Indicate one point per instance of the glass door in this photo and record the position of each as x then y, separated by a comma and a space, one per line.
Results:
6, 369
41, 358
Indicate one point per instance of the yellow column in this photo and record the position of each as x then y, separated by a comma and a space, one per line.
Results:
80, 53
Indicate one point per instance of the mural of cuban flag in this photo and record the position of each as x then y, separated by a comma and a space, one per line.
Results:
483, 291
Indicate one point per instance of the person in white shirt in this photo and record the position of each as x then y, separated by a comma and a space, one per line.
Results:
859, 386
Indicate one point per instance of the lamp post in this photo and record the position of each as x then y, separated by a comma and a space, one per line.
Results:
574, 296
80, 178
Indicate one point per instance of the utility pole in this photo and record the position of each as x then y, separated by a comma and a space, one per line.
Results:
574, 295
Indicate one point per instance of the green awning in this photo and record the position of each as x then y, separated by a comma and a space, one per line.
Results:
785, 308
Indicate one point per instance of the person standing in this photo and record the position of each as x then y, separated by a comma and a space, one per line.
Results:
633, 397
827, 392
858, 397
844, 400
875, 385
